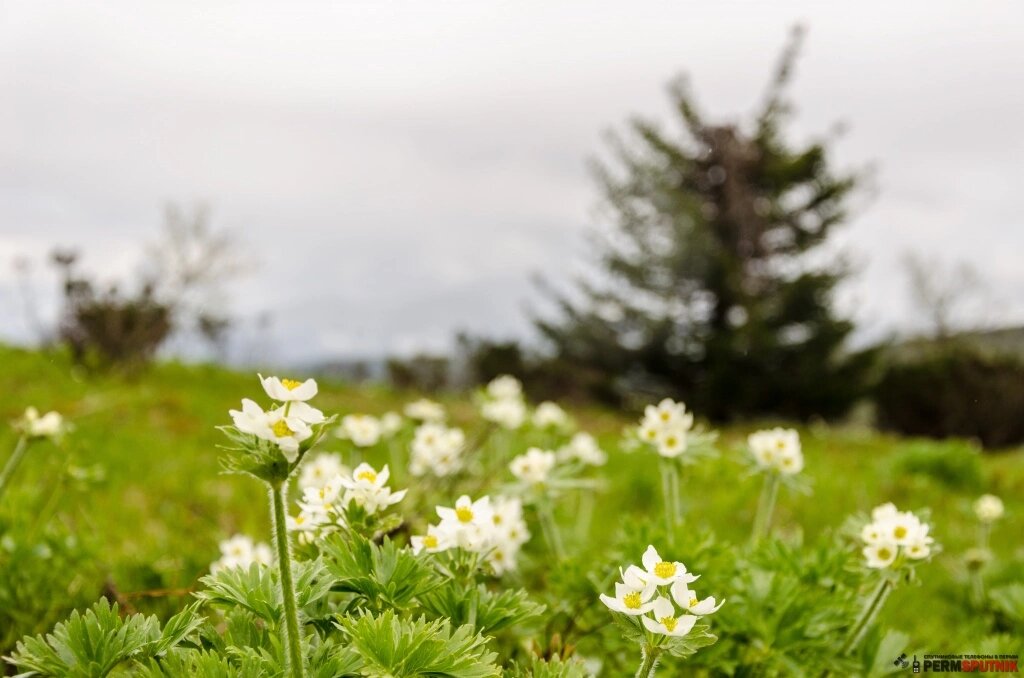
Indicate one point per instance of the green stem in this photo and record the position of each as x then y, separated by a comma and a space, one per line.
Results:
12, 462
677, 503
550, 529
867, 616
667, 468
473, 603
984, 530
765, 508
292, 639
648, 661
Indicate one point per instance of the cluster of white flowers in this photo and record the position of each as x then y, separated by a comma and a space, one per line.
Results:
32, 425
777, 449
988, 508
503, 403
584, 449
640, 593
323, 504
496, 530
317, 471
667, 427
364, 430
289, 423
436, 449
534, 467
241, 551
425, 410
549, 415
892, 532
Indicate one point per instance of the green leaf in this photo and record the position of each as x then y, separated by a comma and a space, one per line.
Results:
399, 648
384, 576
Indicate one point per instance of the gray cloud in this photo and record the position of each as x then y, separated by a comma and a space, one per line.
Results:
399, 172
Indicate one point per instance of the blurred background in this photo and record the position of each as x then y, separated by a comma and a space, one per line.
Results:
785, 209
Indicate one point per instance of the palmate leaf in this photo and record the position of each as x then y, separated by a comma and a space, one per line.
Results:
255, 589
495, 610
94, 643
390, 646
555, 667
383, 576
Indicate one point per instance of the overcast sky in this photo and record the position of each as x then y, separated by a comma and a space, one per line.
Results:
398, 170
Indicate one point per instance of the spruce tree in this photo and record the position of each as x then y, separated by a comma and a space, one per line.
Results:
711, 286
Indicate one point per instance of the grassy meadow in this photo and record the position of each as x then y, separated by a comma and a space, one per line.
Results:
132, 503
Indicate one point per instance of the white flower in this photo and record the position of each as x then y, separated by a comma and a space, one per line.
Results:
919, 548
367, 488
305, 522
288, 390
390, 423
509, 413
470, 523
241, 551
320, 469
425, 410
668, 414
688, 600
509, 527
630, 600
362, 429
502, 559
550, 415
872, 533
666, 622
50, 425
671, 442
880, 555
505, 387
434, 541
988, 508
583, 447
778, 449
534, 466
287, 431
660, 571
437, 449
884, 512
902, 528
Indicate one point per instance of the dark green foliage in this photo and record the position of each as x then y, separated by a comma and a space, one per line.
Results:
494, 610
709, 294
955, 393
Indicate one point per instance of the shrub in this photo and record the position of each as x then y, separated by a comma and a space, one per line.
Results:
955, 393
955, 464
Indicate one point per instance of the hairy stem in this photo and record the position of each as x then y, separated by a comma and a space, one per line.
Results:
12, 463
765, 508
648, 661
867, 615
292, 639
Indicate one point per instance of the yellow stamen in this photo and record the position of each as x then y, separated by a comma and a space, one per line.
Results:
290, 384
430, 541
368, 476
693, 602
884, 554
299, 519
497, 519
669, 623
281, 429
632, 600
665, 570
899, 532
464, 514
665, 416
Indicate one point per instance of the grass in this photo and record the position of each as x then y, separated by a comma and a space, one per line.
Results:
153, 517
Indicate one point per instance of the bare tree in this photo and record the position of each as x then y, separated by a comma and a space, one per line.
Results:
941, 292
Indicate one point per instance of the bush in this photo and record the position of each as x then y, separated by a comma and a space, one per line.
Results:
955, 393
955, 464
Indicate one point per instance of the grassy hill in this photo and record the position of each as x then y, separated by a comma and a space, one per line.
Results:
135, 495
